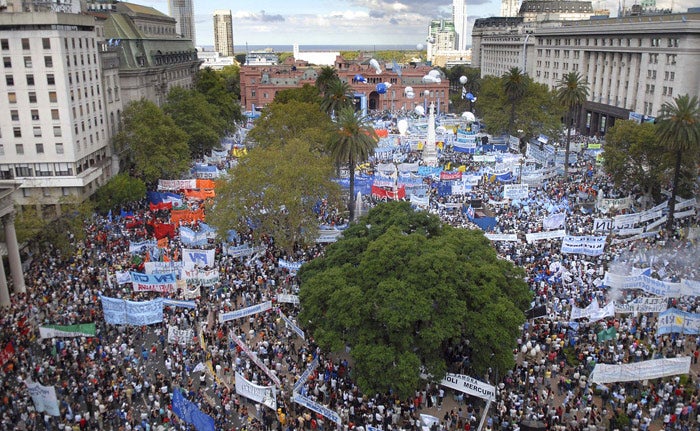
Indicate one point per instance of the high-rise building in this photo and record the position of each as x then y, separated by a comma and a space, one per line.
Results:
183, 12
459, 17
509, 8
223, 32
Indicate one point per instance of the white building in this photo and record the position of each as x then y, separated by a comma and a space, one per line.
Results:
183, 12
54, 134
223, 32
214, 60
509, 8
459, 17
319, 58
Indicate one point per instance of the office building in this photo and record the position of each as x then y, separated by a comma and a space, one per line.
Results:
223, 33
459, 17
509, 8
183, 12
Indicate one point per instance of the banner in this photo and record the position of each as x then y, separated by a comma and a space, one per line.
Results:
538, 236
192, 257
535, 312
253, 357
200, 194
200, 277
167, 302
675, 321
422, 202
186, 215
7, 353
587, 245
593, 312
141, 246
123, 277
265, 395
688, 213
470, 386
648, 284
642, 304
243, 312
44, 398
189, 413
328, 236
244, 250
515, 191
177, 184
395, 194
56, 331
638, 371
121, 312
305, 375
605, 205
554, 221
511, 237
607, 334
293, 326
164, 283
288, 298
450, 176
191, 238
289, 265
159, 268
602, 225
316, 407
180, 336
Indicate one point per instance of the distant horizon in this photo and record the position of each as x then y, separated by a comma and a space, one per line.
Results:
241, 49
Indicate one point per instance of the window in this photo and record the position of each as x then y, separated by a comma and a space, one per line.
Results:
14, 114
48, 61
32, 97
37, 131
40, 148
30, 79
55, 115
50, 79
25, 44
12, 97
19, 149
52, 97
57, 131
4, 44
7, 62
35, 114
9, 80
670, 91
17, 132
2, 153
28, 62
59, 148
46, 43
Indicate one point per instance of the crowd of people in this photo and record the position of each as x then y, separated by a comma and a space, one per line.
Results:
123, 377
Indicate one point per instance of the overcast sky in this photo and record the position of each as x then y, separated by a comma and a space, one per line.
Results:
347, 22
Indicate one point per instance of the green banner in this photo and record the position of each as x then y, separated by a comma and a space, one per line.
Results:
80, 330
607, 334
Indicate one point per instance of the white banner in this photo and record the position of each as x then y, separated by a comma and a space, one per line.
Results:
44, 398
265, 395
293, 326
651, 285
554, 221
177, 184
688, 213
638, 371
164, 283
243, 312
469, 385
602, 225
161, 267
289, 265
510, 237
593, 312
328, 235
538, 236
605, 205
200, 277
684, 204
244, 250
642, 304
316, 407
423, 202
515, 191
253, 357
202, 258
305, 375
123, 277
180, 336
287, 298
587, 245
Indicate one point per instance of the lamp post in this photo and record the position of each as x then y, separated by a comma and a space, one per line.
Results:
522, 162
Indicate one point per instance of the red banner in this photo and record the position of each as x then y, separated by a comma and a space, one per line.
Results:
163, 230
394, 194
200, 194
160, 206
449, 176
6, 354
176, 216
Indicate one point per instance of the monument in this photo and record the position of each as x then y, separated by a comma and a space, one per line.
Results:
429, 150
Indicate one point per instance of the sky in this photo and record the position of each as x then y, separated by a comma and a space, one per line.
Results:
344, 22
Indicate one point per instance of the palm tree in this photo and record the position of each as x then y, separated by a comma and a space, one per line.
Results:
679, 131
337, 96
327, 75
353, 143
514, 86
572, 93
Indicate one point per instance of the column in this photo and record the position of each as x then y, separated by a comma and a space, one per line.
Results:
13, 254
4, 293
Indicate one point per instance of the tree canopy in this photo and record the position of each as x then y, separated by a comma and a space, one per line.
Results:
220, 92
198, 118
401, 289
118, 191
572, 92
307, 94
275, 189
151, 144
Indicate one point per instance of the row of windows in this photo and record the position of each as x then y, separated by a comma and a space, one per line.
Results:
10, 80
14, 114
31, 95
28, 62
671, 42
26, 46
17, 130
35, 169
39, 147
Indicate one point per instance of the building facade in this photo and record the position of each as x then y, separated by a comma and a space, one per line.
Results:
509, 8
54, 133
259, 84
441, 37
223, 32
459, 17
183, 12
632, 64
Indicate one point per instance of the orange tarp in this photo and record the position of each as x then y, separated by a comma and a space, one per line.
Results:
205, 184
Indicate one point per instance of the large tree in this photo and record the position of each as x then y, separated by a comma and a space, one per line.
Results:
515, 84
337, 95
353, 142
198, 118
326, 75
307, 94
572, 92
458, 103
634, 157
679, 131
118, 191
220, 93
401, 290
151, 144
275, 190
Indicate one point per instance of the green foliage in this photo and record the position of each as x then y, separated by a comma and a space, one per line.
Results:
326, 75
151, 144
232, 77
306, 94
400, 288
537, 111
28, 223
280, 122
399, 56
572, 93
220, 92
635, 157
275, 188
118, 191
337, 96
473, 85
240, 58
198, 118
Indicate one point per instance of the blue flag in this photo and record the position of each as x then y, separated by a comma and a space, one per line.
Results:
190, 413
